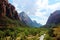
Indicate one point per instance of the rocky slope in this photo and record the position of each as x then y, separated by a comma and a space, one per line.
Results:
27, 21
8, 14
36, 24
54, 18
7, 9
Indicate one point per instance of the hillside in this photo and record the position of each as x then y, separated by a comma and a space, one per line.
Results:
27, 21
8, 15
54, 24
54, 18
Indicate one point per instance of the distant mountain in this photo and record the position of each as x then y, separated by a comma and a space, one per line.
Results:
36, 24
54, 18
27, 21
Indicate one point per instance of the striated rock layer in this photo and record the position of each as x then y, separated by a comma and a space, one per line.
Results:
7, 9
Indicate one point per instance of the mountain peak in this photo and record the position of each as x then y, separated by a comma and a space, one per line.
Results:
54, 18
56, 12
22, 13
26, 19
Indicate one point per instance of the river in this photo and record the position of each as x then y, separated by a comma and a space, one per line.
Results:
42, 37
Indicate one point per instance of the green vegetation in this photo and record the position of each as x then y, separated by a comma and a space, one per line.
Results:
21, 33
16, 30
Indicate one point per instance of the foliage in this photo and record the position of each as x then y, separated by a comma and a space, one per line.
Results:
47, 37
17, 29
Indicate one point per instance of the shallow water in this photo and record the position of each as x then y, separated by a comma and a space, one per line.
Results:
42, 37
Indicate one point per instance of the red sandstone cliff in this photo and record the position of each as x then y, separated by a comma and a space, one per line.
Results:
7, 9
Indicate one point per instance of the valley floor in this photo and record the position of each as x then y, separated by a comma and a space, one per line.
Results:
20, 33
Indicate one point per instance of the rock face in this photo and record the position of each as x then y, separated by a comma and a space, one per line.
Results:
7, 9
36, 24
27, 21
54, 18
2, 8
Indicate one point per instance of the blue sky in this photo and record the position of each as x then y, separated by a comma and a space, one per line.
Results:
38, 10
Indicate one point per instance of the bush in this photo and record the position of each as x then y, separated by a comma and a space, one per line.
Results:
47, 37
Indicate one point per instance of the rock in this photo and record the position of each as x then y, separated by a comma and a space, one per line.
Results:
7, 12
16, 15
54, 18
24, 18
7, 9
6, 1
2, 9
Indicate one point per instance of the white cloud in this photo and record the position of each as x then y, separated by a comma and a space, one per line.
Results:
42, 16
54, 7
43, 5
34, 8
25, 5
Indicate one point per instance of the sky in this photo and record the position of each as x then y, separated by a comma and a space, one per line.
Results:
38, 10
